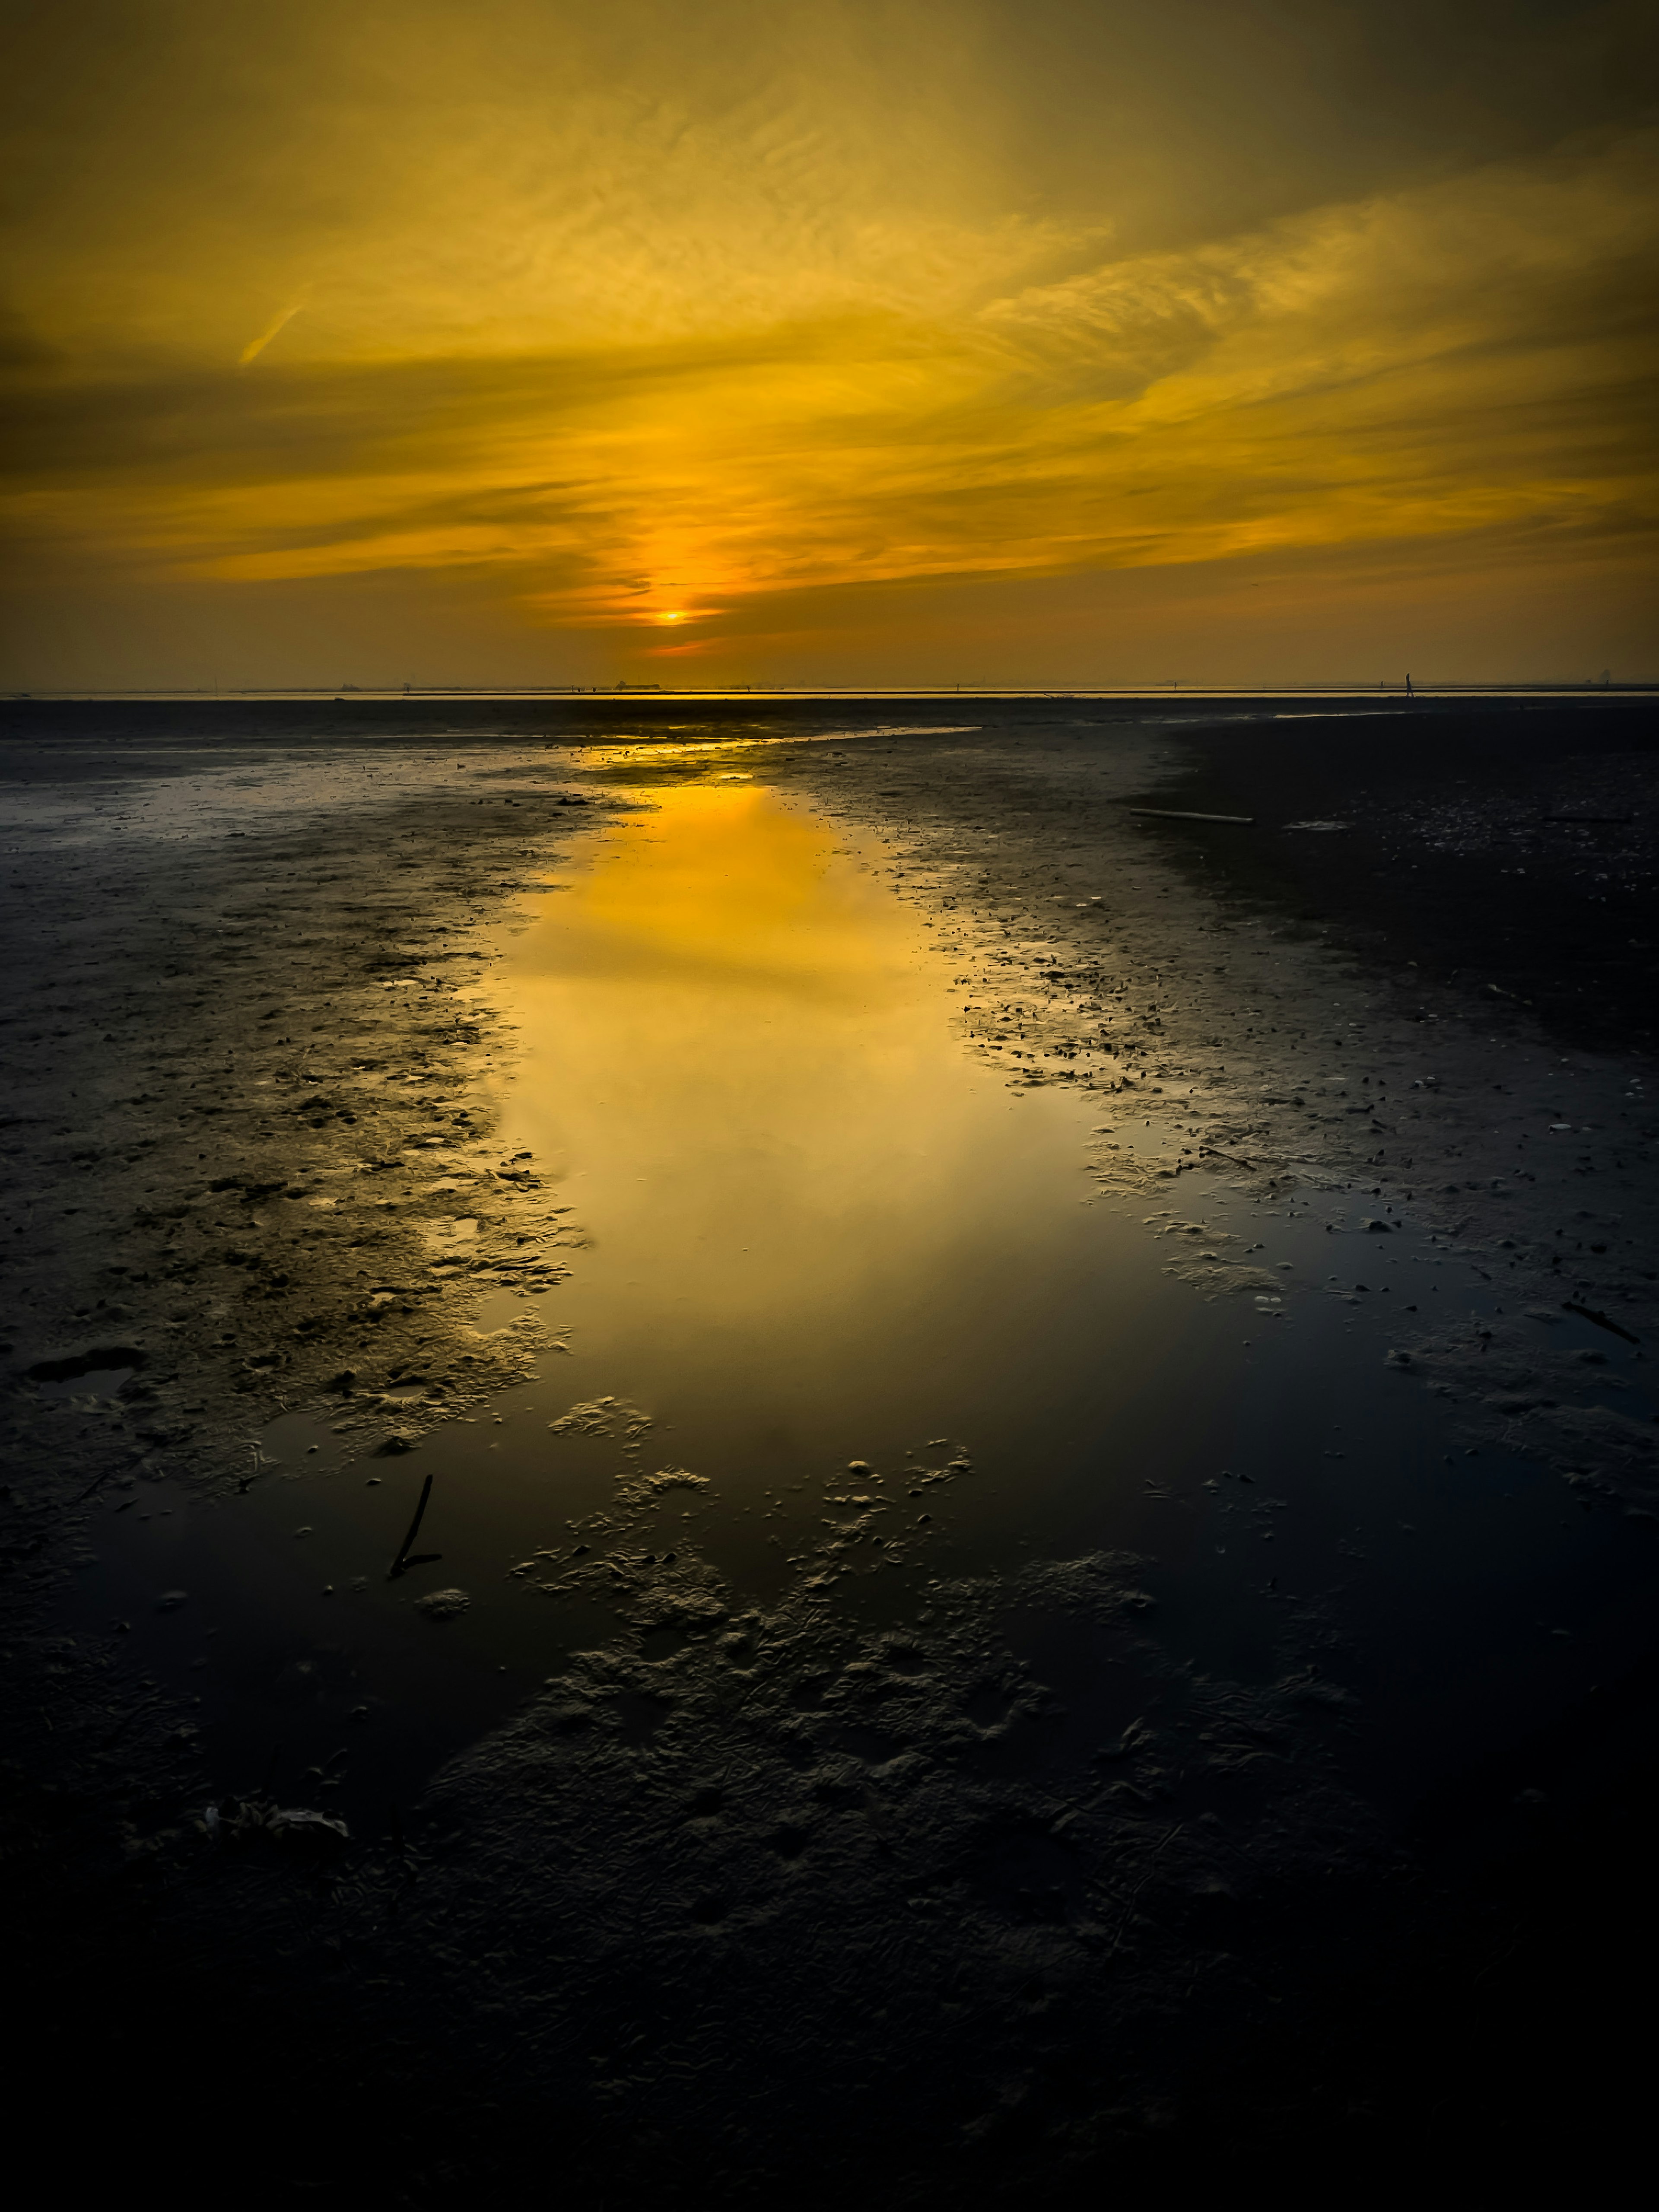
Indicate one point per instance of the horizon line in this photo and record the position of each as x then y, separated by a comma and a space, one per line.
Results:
1168, 689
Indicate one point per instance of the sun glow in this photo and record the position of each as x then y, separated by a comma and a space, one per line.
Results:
976, 349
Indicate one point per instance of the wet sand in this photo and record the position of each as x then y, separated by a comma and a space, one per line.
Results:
856, 1869
1317, 1024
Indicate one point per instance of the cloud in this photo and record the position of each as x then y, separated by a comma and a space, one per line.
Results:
1436, 361
255, 347
635, 315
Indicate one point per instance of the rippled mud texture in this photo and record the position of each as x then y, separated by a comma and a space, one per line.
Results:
900, 1902
749, 1900
240, 1047
1362, 1053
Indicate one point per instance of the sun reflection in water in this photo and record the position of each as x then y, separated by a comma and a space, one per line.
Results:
738, 1045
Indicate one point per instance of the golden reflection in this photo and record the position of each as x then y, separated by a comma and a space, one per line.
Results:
739, 1054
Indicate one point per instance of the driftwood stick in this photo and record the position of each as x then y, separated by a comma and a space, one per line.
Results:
404, 1549
1602, 1320
1181, 814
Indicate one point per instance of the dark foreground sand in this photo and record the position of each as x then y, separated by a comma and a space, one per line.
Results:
714, 1961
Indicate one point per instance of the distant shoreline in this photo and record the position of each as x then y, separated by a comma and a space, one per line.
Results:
1144, 695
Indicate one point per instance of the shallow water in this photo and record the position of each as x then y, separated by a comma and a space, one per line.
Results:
807, 1226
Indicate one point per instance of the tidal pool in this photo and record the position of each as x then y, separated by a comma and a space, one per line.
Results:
845, 1307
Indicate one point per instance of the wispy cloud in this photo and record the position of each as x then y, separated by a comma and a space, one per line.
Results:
801, 308
255, 347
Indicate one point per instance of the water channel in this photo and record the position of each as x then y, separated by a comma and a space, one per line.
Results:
819, 1249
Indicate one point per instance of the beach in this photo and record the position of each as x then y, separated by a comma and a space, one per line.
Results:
1009, 1824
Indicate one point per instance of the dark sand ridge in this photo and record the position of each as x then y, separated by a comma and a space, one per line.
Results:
592, 1939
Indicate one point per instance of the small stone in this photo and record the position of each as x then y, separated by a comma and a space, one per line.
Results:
444, 1604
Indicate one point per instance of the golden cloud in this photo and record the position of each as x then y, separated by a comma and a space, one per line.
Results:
710, 326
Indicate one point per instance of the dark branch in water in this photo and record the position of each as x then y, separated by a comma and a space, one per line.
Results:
1602, 1320
403, 1559
1181, 814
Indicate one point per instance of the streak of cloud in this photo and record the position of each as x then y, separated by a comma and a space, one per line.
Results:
255, 347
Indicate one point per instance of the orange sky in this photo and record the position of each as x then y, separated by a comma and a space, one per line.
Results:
873, 342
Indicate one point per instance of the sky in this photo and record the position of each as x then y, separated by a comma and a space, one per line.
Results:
840, 342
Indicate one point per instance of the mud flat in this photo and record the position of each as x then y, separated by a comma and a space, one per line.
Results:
1415, 971
925, 1869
